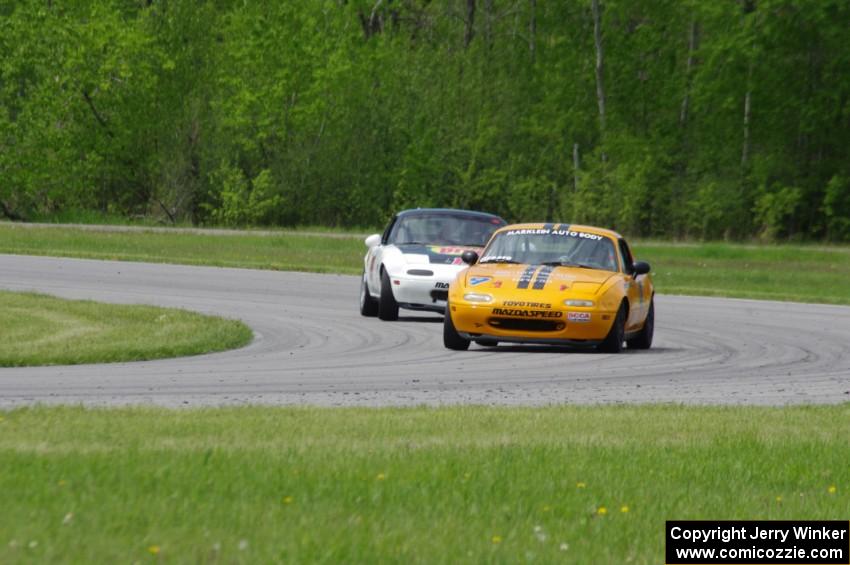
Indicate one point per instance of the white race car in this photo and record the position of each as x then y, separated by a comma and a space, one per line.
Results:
411, 264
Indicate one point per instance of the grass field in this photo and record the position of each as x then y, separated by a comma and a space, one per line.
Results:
449, 485
285, 252
776, 272
42, 330
769, 272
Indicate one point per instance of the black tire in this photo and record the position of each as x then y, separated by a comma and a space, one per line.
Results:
452, 339
487, 342
387, 306
368, 305
613, 342
643, 340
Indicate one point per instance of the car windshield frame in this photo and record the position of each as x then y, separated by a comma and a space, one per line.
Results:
581, 249
443, 228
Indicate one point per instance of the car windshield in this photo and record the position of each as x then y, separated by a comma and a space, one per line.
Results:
444, 229
552, 247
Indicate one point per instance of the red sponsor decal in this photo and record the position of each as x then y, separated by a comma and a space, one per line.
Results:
451, 250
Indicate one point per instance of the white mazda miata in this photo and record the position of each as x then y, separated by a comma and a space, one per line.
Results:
411, 264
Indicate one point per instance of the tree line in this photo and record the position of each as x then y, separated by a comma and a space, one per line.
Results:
661, 118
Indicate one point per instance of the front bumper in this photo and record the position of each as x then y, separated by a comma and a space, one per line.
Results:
565, 326
421, 292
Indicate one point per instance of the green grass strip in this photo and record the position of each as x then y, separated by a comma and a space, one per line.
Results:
448, 485
42, 330
775, 272
284, 252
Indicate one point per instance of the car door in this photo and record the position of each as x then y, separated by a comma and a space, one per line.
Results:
634, 287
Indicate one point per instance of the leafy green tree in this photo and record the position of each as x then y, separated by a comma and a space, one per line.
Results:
670, 118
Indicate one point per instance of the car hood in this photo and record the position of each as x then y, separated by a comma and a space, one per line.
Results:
434, 254
501, 279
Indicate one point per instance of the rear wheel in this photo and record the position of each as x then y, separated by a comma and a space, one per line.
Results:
452, 339
368, 305
613, 342
643, 340
387, 306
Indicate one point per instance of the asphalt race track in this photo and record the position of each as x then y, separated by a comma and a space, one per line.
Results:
313, 347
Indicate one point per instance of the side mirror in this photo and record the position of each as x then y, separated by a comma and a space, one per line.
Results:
469, 257
373, 240
640, 268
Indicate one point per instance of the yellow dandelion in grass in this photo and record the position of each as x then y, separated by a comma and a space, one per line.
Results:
832, 489
602, 511
153, 550
581, 485
547, 508
496, 539
288, 500
624, 509
778, 499
380, 477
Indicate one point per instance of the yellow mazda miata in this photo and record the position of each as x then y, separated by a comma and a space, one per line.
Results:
556, 284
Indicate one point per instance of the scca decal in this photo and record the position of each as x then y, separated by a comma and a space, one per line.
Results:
475, 281
579, 317
527, 313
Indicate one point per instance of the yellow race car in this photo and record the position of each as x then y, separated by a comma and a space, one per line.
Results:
556, 284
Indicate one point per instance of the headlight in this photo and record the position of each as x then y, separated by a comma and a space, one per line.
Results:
579, 303
477, 297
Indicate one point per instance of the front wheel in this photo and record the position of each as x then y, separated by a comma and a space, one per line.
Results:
643, 340
487, 342
613, 342
368, 305
452, 339
387, 306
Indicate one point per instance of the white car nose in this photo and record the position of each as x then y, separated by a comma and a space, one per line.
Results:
416, 259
